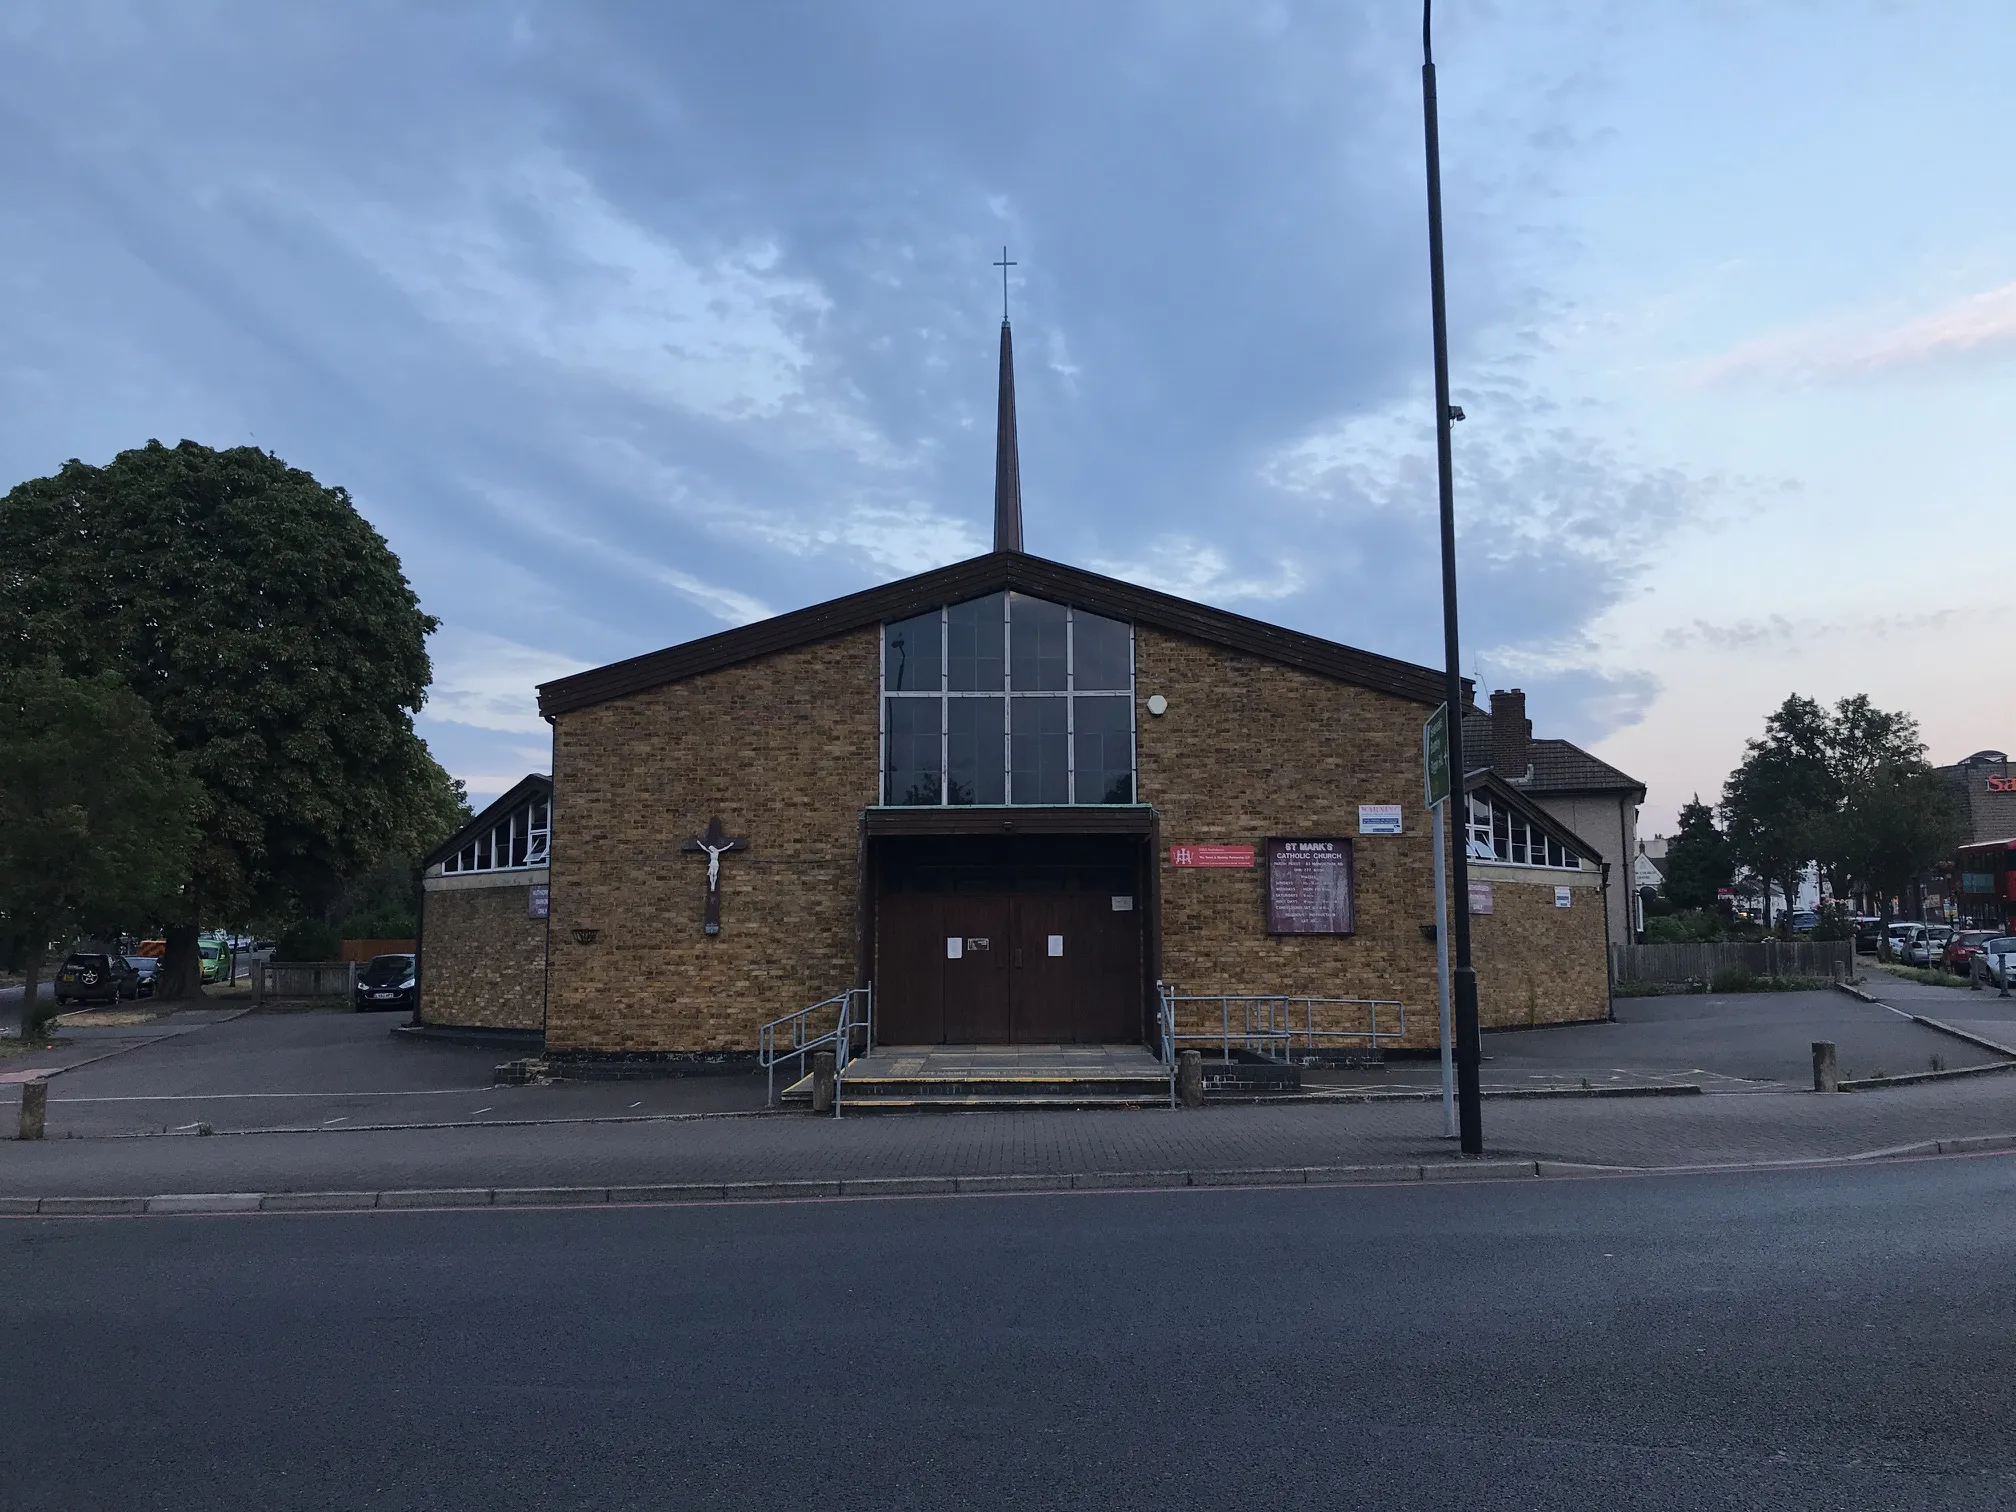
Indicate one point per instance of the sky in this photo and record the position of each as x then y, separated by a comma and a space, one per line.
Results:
625, 324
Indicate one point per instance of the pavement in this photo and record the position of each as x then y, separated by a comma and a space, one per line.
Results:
221, 1101
1815, 1339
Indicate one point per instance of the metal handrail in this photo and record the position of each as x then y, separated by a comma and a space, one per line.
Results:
1268, 1024
1165, 1018
796, 1035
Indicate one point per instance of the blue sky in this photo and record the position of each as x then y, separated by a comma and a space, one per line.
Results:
626, 323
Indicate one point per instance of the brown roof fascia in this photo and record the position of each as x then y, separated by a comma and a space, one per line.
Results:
1013, 571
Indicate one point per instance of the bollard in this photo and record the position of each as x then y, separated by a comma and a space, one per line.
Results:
34, 1108
1826, 1071
822, 1082
1190, 1078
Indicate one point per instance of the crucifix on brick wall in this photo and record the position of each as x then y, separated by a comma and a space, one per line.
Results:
715, 845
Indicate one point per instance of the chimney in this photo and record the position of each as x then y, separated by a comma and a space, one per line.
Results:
1511, 735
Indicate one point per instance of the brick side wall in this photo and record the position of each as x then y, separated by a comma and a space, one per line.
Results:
1536, 963
483, 963
786, 751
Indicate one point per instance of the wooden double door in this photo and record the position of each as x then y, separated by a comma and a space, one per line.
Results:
1010, 966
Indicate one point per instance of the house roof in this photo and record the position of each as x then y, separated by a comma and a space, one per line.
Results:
532, 784
1559, 766
997, 571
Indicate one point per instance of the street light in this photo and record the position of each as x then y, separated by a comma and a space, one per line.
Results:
1463, 979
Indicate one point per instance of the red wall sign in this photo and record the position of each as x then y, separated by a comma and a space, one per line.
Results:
2002, 784
1210, 855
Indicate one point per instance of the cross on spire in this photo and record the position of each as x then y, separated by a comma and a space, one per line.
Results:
1004, 265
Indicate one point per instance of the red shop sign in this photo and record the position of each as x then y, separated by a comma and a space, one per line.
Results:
1211, 855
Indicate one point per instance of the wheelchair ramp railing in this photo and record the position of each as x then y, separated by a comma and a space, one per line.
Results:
845, 1021
1280, 1027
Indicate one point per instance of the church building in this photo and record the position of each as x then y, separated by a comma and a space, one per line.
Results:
1015, 801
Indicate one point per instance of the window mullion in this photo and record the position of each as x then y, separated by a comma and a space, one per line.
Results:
944, 707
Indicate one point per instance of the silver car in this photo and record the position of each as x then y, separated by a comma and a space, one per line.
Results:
1996, 964
1928, 946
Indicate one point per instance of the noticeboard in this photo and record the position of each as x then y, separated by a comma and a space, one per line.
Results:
1309, 887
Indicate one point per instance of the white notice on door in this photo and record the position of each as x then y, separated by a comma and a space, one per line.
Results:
955, 947
1123, 903
1563, 897
1057, 945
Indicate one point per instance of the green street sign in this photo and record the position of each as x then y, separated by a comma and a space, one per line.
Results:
1435, 754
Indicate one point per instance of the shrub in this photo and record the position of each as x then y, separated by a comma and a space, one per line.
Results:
308, 940
1734, 979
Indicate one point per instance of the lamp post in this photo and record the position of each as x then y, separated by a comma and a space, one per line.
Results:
1463, 979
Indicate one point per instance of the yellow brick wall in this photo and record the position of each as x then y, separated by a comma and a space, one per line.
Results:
786, 751
1538, 964
483, 962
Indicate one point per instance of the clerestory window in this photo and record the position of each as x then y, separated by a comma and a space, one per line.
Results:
518, 839
1007, 699
1499, 832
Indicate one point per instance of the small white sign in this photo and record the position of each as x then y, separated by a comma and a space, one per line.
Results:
1123, 903
1480, 897
1056, 945
1379, 819
955, 947
1564, 897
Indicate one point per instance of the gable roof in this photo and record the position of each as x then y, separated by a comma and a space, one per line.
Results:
531, 785
1012, 571
1559, 766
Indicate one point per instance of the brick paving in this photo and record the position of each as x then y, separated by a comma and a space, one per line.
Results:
1630, 1132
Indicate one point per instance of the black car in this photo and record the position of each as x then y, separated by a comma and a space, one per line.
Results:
387, 982
1868, 935
148, 970
90, 977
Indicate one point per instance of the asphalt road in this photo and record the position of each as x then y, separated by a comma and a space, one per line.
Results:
1832, 1339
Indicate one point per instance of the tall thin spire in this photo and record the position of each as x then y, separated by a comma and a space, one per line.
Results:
1007, 456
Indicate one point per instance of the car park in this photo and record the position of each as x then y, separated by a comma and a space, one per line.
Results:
89, 976
387, 981
147, 969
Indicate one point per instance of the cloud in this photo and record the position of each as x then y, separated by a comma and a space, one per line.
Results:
1777, 633
491, 683
1979, 326
1196, 569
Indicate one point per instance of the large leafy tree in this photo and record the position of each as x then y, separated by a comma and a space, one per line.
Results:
272, 633
1776, 804
97, 813
1698, 863
1895, 817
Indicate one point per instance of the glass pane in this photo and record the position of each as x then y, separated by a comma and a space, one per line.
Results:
1105, 750
974, 632
1100, 652
1501, 833
979, 766
910, 655
1036, 646
1038, 751
912, 775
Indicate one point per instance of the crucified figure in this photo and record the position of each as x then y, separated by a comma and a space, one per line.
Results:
714, 844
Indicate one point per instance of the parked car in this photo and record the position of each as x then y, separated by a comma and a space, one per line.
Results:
148, 970
1805, 922
219, 964
1995, 963
1963, 947
386, 982
95, 977
1868, 933
1927, 946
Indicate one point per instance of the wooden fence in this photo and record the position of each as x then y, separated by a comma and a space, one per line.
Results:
274, 980
1700, 963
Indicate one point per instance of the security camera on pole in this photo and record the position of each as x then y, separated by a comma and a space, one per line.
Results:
1468, 1046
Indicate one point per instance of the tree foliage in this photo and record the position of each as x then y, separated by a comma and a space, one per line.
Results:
1776, 801
1698, 861
272, 633
98, 814
1848, 788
